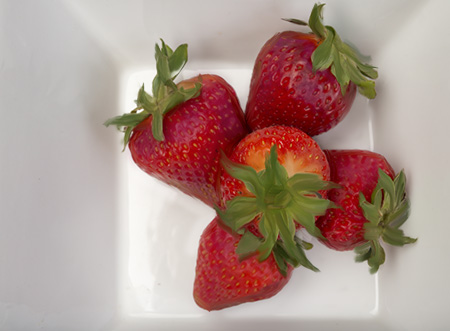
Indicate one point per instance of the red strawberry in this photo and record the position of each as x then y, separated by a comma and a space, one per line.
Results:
306, 80
275, 179
179, 132
364, 176
223, 280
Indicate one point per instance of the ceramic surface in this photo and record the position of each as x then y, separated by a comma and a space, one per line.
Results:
89, 242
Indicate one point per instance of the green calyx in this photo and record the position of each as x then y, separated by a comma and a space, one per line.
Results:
277, 201
388, 210
344, 61
166, 94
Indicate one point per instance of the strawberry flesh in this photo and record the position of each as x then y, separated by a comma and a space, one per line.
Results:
297, 152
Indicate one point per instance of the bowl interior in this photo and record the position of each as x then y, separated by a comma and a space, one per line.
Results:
98, 244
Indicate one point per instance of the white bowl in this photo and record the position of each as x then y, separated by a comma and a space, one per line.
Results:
90, 242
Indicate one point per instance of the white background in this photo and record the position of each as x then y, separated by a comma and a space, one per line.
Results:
89, 242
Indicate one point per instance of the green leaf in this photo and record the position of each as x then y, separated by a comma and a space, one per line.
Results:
157, 85
269, 229
239, 212
323, 56
279, 202
363, 252
371, 211
162, 66
372, 231
248, 245
157, 126
292, 245
377, 257
125, 120
368, 70
278, 173
315, 21
281, 260
295, 21
340, 72
145, 100
303, 261
309, 182
244, 173
306, 203
178, 60
306, 219
353, 56
373, 253
178, 97
400, 215
286, 230
386, 212
166, 94
400, 187
355, 75
169, 63
303, 244
127, 136
312, 204
386, 184
165, 49
367, 89
395, 237
344, 62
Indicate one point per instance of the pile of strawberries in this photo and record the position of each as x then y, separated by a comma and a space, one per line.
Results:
261, 170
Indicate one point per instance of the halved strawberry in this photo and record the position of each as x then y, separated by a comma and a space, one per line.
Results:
275, 179
306, 80
223, 280
372, 205
177, 134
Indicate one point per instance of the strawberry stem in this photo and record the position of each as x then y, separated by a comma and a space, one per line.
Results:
278, 202
343, 60
166, 94
388, 210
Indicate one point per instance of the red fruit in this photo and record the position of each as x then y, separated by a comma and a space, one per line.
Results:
178, 136
356, 171
297, 153
306, 80
364, 176
195, 132
222, 280
275, 179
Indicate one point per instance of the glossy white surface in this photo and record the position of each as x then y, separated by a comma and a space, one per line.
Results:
89, 242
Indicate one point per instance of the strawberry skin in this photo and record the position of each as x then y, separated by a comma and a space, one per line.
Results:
307, 80
356, 171
222, 280
285, 90
194, 133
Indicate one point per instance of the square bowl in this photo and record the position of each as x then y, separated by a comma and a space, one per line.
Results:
90, 242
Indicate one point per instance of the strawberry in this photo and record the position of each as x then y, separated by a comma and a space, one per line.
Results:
307, 80
373, 205
222, 280
176, 135
274, 181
